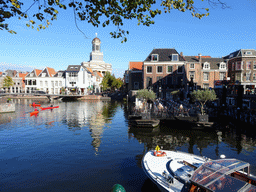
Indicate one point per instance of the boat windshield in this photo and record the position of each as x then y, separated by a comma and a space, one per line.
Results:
215, 176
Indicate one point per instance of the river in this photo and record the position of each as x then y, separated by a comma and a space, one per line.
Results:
89, 146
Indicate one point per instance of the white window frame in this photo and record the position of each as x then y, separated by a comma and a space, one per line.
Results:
60, 83
43, 74
151, 70
193, 73
237, 63
41, 83
59, 74
222, 66
192, 64
167, 69
222, 75
152, 57
206, 73
247, 62
248, 52
206, 66
248, 76
173, 57
157, 69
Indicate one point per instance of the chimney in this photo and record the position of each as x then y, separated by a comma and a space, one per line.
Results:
199, 55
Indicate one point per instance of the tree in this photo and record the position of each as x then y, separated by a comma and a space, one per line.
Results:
8, 82
146, 94
97, 13
110, 82
203, 96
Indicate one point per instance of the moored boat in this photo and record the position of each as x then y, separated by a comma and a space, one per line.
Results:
44, 108
178, 171
145, 122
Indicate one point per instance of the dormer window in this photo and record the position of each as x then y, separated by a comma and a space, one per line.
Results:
231, 55
222, 66
206, 66
43, 74
175, 57
248, 53
59, 74
154, 57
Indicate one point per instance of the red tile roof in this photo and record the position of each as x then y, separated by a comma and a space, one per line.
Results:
22, 75
37, 71
135, 65
99, 74
51, 71
90, 71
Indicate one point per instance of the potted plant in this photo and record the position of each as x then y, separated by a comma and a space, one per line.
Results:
8, 100
202, 96
146, 95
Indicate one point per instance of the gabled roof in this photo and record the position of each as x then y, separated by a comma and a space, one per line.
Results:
35, 71
90, 70
99, 74
56, 74
135, 66
164, 54
51, 71
23, 75
241, 53
73, 68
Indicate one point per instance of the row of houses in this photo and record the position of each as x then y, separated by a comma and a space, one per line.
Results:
80, 79
164, 70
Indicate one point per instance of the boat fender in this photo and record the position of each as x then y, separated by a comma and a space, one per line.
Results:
159, 153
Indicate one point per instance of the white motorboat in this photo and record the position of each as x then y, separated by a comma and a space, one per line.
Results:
178, 171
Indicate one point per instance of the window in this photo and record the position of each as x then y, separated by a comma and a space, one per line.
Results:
248, 52
248, 75
169, 69
206, 66
56, 83
254, 65
97, 47
41, 83
238, 65
72, 74
180, 69
175, 57
206, 86
206, 76
222, 66
31, 75
59, 75
248, 64
149, 81
52, 83
233, 66
149, 69
136, 85
192, 66
159, 69
43, 74
231, 55
222, 76
191, 75
34, 82
254, 77
238, 77
60, 83
46, 83
154, 57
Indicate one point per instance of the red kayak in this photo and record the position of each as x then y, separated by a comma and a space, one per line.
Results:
44, 108
35, 105
34, 113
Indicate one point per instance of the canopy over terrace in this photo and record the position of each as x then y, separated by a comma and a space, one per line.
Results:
216, 176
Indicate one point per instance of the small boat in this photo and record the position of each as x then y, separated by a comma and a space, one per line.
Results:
149, 123
35, 105
34, 113
44, 108
178, 171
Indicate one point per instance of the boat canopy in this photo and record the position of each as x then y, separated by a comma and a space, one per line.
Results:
215, 176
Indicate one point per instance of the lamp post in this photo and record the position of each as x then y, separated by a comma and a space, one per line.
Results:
127, 100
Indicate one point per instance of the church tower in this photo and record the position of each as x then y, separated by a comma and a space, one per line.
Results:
96, 62
96, 55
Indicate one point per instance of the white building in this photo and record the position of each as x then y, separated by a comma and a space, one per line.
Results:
46, 80
78, 79
96, 62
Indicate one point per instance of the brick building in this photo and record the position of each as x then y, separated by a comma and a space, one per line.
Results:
242, 69
206, 71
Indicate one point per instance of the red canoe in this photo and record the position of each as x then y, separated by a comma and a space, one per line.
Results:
35, 105
44, 108
34, 113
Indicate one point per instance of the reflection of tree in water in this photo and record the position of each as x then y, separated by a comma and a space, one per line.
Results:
109, 109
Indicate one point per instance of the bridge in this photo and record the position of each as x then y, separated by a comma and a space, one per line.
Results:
49, 96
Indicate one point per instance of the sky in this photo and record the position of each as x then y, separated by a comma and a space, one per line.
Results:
221, 33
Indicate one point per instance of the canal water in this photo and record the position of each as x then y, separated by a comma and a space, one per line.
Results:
89, 146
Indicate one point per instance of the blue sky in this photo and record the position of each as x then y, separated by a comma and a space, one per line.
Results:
222, 32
